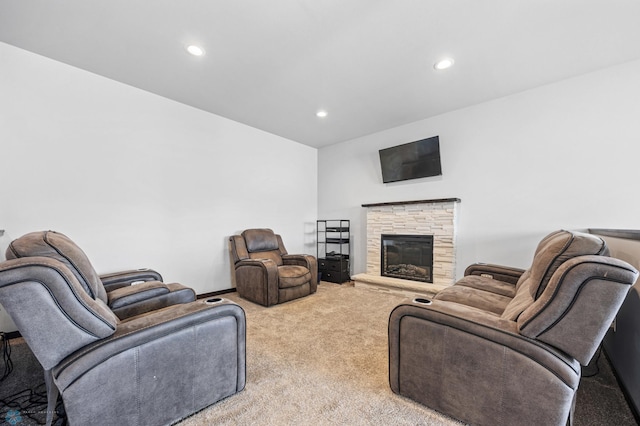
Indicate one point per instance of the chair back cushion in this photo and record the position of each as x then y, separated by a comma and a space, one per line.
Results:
555, 249
54, 314
263, 244
579, 304
60, 247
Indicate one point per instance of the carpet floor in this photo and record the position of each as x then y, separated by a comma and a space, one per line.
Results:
321, 360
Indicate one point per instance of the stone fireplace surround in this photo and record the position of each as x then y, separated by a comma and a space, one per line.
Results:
422, 217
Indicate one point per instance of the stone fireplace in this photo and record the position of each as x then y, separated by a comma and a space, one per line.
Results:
433, 219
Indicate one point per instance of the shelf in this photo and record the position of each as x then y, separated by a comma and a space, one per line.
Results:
336, 241
336, 257
337, 229
333, 245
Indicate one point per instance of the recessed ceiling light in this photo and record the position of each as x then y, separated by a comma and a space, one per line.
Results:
443, 64
195, 50
321, 113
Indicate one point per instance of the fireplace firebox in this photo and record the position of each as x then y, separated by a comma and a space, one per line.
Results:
408, 257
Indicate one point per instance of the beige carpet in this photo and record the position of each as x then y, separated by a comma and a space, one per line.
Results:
320, 360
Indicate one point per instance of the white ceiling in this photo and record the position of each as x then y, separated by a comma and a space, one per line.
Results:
272, 64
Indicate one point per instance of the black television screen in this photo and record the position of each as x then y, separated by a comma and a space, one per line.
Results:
411, 160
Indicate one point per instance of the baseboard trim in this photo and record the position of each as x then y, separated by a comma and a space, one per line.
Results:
216, 293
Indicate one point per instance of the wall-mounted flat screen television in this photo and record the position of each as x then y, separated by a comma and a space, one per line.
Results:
411, 160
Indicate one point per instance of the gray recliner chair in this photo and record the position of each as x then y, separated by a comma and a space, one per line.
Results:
265, 273
153, 369
127, 293
504, 345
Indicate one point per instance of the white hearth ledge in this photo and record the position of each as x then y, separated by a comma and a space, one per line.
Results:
396, 286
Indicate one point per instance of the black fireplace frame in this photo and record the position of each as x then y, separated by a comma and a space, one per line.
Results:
425, 264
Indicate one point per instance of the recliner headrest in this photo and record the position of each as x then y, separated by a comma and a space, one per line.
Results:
60, 247
552, 252
558, 247
260, 240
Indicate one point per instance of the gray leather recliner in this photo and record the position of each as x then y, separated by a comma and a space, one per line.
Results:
154, 368
127, 293
265, 273
504, 345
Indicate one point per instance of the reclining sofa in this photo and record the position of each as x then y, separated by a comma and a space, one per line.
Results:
503, 346
153, 368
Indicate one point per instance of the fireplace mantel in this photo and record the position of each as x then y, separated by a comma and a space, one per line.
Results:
402, 203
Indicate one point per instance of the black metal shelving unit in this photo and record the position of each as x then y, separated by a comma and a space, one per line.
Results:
334, 245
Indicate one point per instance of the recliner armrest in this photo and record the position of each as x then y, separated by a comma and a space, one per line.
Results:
159, 367
136, 293
146, 328
260, 263
127, 302
120, 279
308, 261
505, 274
305, 260
260, 277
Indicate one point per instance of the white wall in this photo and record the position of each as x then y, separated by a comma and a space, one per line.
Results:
559, 156
138, 180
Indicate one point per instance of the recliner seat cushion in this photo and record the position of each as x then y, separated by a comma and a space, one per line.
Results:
132, 294
476, 298
293, 276
487, 284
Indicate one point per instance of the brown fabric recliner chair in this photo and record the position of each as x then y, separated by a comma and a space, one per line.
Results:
503, 345
265, 273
